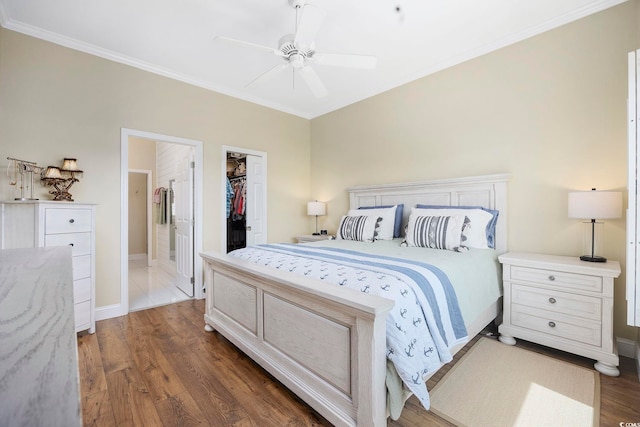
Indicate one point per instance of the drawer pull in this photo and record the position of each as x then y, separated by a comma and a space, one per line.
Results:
552, 324
552, 278
71, 221
70, 244
552, 300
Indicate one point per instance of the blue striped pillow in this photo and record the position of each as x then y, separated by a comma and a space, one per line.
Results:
361, 228
436, 232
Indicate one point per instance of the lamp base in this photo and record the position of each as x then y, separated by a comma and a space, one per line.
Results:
594, 258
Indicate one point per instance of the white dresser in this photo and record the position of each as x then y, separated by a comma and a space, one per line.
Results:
561, 302
26, 224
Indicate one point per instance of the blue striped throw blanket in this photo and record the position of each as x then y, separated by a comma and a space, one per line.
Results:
425, 322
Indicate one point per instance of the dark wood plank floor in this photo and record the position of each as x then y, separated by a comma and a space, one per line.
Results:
158, 367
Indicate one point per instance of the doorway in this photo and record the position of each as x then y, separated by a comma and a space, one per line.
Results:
177, 198
244, 197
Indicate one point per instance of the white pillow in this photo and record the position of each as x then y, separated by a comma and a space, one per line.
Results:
358, 227
436, 232
476, 230
386, 224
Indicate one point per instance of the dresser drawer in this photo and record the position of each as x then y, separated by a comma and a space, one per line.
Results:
81, 267
559, 279
583, 306
58, 220
81, 242
549, 323
81, 290
82, 313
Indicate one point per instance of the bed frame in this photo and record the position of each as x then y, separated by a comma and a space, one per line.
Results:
287, 323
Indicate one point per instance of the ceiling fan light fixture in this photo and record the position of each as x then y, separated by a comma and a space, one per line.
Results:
296, 60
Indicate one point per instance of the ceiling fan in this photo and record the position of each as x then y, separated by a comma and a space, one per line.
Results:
299, 53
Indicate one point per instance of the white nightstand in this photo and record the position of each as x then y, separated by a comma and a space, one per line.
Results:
313, 238
561, 302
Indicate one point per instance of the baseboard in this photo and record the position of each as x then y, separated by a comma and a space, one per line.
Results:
626, 348
136, 257
109, 311
638, 359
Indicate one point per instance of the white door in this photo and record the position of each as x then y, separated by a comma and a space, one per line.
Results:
633, 213
183, 199
255, 210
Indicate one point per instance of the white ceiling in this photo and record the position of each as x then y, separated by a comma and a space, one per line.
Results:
174, 38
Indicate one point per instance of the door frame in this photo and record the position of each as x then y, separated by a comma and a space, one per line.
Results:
149, 203
197, 208
223, 190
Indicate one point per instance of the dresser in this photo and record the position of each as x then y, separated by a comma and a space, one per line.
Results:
39, 381
28, 224
561, 302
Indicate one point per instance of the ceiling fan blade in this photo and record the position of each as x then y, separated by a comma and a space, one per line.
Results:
345, 60
248, 44
269, 74
308, 25
313, 81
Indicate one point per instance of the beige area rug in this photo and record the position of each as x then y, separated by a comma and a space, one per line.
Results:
496, 385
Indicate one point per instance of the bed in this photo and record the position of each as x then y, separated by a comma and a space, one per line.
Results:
328, 343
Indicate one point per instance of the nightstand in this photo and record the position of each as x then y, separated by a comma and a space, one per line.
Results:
561, 302
313, 238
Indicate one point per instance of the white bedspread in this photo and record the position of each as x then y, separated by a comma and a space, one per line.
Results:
423, 326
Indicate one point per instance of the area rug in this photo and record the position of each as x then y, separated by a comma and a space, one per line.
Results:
497, 385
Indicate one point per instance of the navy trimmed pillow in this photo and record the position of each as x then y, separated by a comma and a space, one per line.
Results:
397, 226
436, 232
482, 233
361, 228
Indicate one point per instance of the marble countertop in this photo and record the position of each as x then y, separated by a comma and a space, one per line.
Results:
38, 346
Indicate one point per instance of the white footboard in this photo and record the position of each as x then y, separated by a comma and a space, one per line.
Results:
325, 343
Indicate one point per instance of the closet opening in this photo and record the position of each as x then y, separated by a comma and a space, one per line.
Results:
236, 200
244, 198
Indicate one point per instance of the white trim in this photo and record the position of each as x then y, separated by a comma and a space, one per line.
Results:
4, 16
109, 312
149, 175
420, 73
223, 193
136, 257
638, 357
111, 55
626, 347
124, 227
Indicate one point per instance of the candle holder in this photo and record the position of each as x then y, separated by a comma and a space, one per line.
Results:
61, 179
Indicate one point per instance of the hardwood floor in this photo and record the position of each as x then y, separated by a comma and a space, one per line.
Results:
158, 367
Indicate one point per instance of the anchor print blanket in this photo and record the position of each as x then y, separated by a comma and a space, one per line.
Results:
425, 322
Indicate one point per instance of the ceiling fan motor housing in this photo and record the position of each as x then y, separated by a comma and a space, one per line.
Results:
291, 53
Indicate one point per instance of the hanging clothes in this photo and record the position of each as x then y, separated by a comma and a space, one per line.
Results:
230, 194
160, 195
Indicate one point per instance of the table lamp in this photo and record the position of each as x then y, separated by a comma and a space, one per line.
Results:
594, 205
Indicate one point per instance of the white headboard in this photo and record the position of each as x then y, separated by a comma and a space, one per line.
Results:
489, 191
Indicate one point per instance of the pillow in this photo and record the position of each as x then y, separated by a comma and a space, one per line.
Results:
481, 219
397, 225
436, 232
387, 215
361, 228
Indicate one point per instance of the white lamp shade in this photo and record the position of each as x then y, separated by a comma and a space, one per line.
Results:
595, 204
316, 208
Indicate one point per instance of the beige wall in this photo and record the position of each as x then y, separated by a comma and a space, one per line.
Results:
57, 102
550, 110
137, 213
142, 155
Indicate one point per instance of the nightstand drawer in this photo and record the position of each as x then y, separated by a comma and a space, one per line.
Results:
586, 307
558, 279
550, 323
